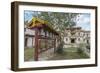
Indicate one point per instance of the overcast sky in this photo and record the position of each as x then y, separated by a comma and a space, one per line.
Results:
28, 15
84, 21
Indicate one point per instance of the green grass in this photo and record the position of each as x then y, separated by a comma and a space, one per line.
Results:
74, 53
28, 54
69, 55
66, 55
71, 49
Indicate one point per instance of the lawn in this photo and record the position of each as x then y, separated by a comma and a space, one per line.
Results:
69, 54
28, 54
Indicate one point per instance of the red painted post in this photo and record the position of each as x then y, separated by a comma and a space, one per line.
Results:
36, 45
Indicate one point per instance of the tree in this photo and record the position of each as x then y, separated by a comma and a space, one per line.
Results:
58, 20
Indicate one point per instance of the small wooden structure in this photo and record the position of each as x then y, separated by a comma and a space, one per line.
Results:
46, 38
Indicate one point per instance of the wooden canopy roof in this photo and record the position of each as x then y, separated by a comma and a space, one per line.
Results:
39, 23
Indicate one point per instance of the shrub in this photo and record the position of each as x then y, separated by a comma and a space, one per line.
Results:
88, 46
81, 47
79, 50
60, 48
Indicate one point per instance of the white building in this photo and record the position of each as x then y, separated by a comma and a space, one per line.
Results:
29, 38
74, 36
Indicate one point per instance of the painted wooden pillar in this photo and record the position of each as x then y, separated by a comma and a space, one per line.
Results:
25, 42
36, 45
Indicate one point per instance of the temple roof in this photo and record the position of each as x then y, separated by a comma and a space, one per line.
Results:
39, 23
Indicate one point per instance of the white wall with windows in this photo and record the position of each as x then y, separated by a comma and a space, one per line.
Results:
29, 31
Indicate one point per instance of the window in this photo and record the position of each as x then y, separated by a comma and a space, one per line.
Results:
83, 34
87, 41
66, 39
87, 35
78, 39
73, 40
79, 34
72, 33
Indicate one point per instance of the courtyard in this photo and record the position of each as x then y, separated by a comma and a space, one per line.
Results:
67, 53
